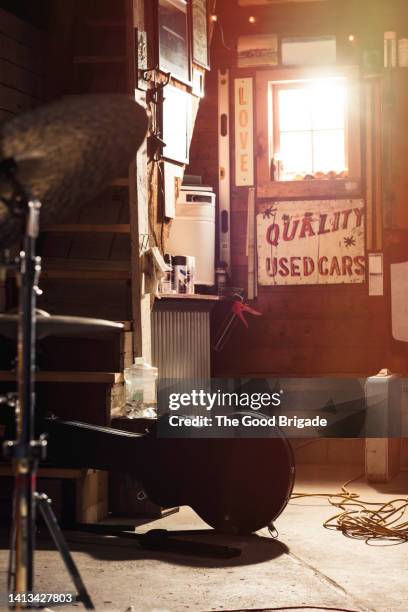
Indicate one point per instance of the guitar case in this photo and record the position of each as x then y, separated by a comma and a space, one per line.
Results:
235, 484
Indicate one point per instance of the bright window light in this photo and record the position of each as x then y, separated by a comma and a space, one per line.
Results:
309, 129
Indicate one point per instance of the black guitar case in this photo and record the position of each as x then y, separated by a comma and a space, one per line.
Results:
236, 485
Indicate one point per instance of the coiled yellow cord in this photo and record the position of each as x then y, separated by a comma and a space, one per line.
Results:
373, 522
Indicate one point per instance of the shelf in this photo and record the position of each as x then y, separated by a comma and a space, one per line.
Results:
46, 472
69, 377
191, 296
86, 274
99, 59
85, 269
116, 228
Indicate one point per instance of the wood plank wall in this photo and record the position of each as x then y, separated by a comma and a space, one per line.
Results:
21, 65
304, 330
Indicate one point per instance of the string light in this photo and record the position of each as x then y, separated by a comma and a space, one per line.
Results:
252, 19
351, 38
213, 17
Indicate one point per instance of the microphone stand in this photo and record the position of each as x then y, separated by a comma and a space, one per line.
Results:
26, 451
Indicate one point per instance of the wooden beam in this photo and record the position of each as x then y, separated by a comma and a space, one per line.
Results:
138, 195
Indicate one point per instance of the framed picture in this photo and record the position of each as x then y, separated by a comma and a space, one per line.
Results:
176, 117
257, 50
199, 33
173, 38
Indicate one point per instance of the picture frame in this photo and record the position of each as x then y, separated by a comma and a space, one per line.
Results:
176, 118
199, 33
173, 39
257, 50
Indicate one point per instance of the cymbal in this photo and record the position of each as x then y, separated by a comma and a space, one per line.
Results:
63, 326
69, 151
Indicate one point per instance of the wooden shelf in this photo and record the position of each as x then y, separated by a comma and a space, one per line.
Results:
49, 472
191, 296
99, 59
86, 269
90, 228
86, 274
69, 377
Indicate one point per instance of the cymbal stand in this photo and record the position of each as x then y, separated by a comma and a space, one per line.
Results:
27, 451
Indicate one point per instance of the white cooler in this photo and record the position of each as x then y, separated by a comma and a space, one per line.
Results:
193, 231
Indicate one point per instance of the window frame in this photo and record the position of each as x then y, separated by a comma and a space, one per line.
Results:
264, 130
275, 143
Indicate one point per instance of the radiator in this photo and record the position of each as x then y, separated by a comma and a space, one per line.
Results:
181, 344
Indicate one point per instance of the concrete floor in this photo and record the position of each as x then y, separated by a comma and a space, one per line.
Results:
306, 566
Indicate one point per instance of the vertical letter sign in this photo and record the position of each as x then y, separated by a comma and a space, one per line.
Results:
244, 136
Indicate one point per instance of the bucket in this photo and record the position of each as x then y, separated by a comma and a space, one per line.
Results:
193, 232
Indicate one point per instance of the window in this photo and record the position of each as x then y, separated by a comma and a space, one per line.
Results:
308, 127
309, 135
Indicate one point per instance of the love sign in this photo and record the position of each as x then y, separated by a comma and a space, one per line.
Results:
244, 135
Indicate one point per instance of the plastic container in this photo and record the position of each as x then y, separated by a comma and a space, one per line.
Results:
140, 390
193, 232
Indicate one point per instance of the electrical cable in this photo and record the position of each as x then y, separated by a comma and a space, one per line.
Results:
296, 608
379, 522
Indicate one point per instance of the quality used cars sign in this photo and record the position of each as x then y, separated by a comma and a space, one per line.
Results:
313, 242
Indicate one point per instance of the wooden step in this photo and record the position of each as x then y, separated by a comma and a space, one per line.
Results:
86, 274
89, 228
99, 59
69, 377
91, 489
98, 269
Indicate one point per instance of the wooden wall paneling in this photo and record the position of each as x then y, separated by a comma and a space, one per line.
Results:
20, 31
397, 84
60, 48
315, 330
21, 79
20, 55
15, 101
